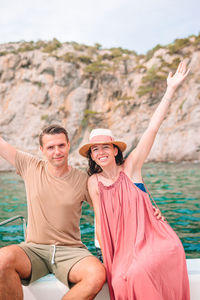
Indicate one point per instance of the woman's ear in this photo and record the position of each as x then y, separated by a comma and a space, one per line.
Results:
90, 154
115, 151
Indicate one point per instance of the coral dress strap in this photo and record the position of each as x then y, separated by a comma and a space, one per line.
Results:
97, 178
151, 197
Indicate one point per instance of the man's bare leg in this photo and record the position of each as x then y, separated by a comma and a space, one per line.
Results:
14, 264
89, 275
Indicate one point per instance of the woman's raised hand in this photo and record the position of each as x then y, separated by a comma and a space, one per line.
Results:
175, 80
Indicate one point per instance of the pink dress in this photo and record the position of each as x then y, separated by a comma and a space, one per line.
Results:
143, 256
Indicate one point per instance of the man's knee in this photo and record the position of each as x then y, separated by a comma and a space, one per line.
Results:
90, 272
7, 259
96, 276
12, 258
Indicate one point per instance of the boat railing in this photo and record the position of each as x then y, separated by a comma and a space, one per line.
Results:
23, 220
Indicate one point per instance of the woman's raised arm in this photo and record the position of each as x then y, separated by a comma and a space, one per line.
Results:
136, 158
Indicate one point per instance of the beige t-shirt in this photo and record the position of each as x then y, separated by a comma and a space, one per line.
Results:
54, 204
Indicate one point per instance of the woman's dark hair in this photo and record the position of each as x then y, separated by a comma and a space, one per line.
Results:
94, 168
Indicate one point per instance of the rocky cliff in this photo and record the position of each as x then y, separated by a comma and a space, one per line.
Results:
83, 87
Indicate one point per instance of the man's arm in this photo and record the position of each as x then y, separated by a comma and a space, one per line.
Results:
7, 151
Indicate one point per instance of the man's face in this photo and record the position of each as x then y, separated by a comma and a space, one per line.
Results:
56, 149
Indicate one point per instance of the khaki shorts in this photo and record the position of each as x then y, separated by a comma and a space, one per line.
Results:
57, 260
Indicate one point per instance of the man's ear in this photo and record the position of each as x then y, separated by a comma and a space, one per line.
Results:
41, 149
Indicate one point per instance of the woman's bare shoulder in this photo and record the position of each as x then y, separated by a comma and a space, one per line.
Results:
92, 178
93, 187
93, 182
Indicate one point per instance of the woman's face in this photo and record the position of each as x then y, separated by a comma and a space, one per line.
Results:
103, 154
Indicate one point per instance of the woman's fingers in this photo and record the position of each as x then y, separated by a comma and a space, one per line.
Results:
179, 68
157, 213
188, 71
170, 75
182, 68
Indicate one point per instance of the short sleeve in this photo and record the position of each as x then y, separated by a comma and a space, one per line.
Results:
87, 196
84, 179
23, 161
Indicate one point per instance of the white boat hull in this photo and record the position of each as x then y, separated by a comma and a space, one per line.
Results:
49, 288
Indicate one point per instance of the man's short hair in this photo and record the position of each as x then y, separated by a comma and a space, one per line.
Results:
52, 129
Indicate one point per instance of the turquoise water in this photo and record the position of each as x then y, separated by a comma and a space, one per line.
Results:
174, 187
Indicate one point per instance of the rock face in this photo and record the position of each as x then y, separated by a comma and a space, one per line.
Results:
82, 87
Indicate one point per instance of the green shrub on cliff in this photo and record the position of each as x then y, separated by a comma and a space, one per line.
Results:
40, 44
140, 67
69, 57
79, 47
97, 46
52, 46
170, 67
87, 114
96, 67
151, 82
106, 56
2, 53
116, 52
178, 45
152, 76
197, 39
24, 47
85, 59
44, 117
151, 52
143, 90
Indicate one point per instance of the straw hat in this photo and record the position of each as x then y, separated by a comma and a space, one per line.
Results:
101, 136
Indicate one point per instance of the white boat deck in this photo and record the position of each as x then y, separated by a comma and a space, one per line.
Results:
49, 288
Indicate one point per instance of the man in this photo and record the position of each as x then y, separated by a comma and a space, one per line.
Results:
55, 192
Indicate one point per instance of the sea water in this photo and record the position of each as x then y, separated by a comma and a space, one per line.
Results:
174, 187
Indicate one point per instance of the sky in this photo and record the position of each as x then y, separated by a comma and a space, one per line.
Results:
137, 25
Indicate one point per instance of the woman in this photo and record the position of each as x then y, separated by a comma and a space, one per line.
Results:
143, 256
